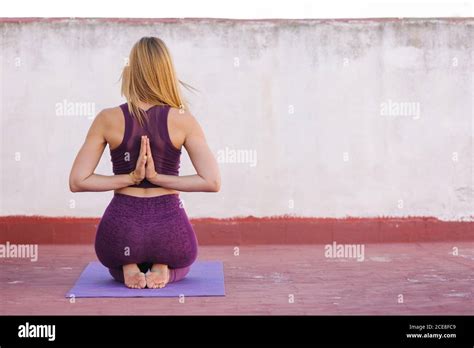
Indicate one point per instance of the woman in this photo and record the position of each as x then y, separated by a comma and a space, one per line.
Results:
144, 236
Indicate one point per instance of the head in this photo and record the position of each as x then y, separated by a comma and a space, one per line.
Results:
150, 77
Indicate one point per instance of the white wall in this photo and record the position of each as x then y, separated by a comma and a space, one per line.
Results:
307, 97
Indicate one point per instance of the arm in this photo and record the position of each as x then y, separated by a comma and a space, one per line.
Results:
82, 177
207, 178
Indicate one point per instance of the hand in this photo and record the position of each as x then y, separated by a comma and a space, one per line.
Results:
150, 171
139, 172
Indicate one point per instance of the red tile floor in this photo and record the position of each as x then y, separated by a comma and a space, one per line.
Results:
263, 279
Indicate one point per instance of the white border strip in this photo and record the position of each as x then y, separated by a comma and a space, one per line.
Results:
238, 9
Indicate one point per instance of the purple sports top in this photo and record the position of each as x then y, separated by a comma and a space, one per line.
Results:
165, 155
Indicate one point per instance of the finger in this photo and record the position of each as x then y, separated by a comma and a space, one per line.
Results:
144, 156
147, 156
148, 151
142, 147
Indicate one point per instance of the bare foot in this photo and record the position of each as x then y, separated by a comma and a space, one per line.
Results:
158, 276
134, 278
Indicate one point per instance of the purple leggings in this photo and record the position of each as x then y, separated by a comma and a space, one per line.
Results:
145, 231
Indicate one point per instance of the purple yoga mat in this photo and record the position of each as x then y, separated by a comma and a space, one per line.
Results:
206, 278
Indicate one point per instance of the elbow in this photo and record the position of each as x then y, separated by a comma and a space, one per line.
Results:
77, 183
74, 186
215, 185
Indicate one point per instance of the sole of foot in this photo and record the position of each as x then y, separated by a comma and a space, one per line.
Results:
158, 277
134, 278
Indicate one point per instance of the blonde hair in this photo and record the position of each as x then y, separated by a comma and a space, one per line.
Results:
149, 77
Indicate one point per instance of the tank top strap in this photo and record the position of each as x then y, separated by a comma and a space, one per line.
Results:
128, 122
163, 122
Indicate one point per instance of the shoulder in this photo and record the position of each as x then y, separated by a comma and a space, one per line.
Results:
183, 119
108, 115
104, 121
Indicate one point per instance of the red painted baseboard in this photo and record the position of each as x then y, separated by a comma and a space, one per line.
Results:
252, 230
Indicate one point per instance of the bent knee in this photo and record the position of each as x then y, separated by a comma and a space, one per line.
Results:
190, 258
117, 274
184, 260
